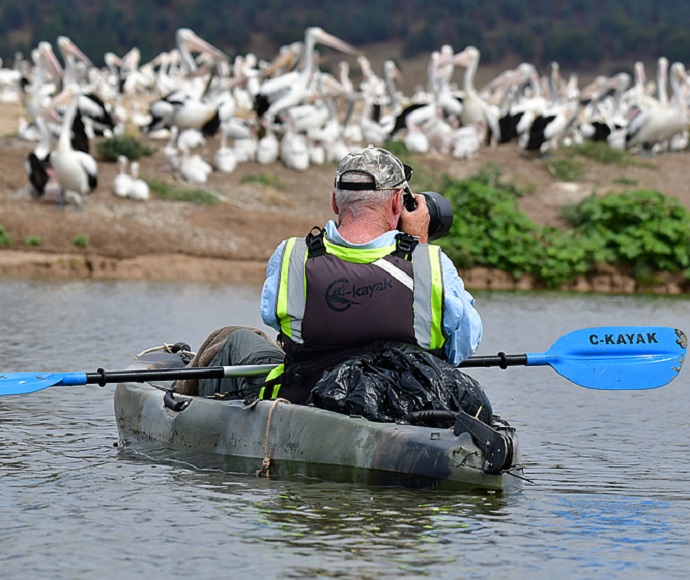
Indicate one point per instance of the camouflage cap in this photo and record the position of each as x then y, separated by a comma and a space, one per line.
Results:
385, 168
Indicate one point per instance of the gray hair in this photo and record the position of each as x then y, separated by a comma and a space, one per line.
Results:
354, 202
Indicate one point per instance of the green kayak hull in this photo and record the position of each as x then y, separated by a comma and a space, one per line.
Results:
280, 440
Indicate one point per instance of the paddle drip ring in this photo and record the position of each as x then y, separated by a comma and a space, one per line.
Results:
101, 381
503, 364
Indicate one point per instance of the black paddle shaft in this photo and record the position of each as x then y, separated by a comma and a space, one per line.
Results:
500, 360
102, 378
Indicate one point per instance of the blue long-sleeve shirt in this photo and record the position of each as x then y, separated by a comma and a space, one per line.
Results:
461, 321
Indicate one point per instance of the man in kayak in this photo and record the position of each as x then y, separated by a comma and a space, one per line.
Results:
368, 278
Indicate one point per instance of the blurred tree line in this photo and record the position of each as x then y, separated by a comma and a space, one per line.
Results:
576, 33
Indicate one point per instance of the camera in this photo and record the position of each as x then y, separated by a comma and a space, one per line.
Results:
440, 212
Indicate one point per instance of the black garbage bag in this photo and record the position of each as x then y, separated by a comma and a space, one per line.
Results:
389, 381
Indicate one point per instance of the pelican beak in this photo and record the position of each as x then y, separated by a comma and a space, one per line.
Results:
321, 36
193, 42
67, 46
465, 57
49, 59
285, 60
131, 59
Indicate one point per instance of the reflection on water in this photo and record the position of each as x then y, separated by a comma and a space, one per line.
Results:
610, 470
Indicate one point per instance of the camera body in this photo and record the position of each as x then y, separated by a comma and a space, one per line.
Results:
440, 212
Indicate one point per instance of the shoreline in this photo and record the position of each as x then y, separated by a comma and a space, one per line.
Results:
180, 267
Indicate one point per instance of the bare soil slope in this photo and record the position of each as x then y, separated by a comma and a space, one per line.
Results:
231, 240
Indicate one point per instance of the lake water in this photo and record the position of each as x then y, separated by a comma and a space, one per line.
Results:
610, 471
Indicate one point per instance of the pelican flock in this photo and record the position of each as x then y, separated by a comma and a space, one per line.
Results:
201, 102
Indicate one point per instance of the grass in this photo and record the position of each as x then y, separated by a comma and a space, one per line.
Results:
627, 181
174, 192
564, 169
267, 179
606, 155
130, 147
566, 164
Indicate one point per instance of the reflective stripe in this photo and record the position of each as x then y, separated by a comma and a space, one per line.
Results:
274, 374
421, 270
438, 339
428, 297
274, 392
357, 255
292, 289
396, 272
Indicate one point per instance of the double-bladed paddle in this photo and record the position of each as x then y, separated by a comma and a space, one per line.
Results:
607, 358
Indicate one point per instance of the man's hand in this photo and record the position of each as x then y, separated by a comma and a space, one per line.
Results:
416, 223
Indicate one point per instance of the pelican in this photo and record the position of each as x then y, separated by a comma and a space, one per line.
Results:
294, 148
194, 169
268, 147
521, 100
139, 190
36, 91
552, 123
225, 159
465, 142
37, 162
665, 119
75, 171
475, 110
416, 140
280, 93
187, 42
190, 105
122, 184
180, 110
72, 57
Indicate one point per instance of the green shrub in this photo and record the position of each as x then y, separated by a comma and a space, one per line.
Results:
111, 149
33, 241
641, 228
489, 229
80, 241
5, 238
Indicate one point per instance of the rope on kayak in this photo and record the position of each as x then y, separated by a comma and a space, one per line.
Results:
168, 347
266, 464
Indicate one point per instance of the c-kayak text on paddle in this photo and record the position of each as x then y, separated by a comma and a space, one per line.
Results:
627, 338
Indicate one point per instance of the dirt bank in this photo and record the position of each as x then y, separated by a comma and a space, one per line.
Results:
231, 241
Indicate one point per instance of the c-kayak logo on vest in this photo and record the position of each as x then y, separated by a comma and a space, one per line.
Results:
340, 295
631, 338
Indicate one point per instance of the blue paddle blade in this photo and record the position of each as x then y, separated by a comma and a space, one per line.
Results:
617, 358
22, 383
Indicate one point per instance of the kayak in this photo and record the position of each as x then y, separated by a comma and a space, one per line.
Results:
276, 439
429, 448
